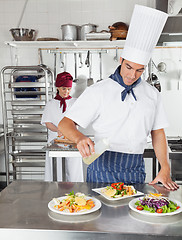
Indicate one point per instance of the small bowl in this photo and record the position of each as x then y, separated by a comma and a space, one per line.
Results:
23, 34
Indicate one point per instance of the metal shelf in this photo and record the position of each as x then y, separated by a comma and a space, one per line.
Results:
68, 45
24, 136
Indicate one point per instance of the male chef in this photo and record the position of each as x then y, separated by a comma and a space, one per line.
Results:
125, 109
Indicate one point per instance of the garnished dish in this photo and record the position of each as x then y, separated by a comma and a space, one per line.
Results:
117, 191
74, 204
155, 204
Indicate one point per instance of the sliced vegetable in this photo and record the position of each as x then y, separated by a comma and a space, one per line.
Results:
139, 208
118, 186
156, 203
159, 210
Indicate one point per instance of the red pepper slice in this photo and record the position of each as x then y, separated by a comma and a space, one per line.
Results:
118, 186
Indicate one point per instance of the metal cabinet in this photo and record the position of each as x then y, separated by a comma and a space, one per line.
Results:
25, 91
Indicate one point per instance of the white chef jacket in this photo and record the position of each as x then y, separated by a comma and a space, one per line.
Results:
127, 123
74, 168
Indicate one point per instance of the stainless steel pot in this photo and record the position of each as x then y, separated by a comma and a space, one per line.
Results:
69, 32
87, 28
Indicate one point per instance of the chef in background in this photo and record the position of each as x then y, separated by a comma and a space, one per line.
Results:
125, 109
55, 110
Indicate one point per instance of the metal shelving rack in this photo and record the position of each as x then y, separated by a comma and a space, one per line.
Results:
24, 136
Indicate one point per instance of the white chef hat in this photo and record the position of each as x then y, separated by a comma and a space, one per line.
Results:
144, 31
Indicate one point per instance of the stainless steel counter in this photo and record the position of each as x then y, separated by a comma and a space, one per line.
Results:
24, 215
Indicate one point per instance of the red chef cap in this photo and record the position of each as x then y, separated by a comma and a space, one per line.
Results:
64, 79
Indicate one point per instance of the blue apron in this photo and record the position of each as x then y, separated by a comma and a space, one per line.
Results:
113, 167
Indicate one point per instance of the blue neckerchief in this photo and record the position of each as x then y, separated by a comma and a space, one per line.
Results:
117, 77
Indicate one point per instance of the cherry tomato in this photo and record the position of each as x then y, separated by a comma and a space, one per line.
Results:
139, 208
159, 210
177, 207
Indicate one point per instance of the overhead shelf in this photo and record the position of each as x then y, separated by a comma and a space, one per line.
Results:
96, 44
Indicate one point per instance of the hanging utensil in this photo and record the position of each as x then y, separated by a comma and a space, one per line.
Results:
65, 61
76, 79
61, 60
100, 58
87, 63
116, 56
149, 79
81, 63
55, 63
90, 80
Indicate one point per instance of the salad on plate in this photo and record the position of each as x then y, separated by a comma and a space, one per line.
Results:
118, 190
156, 203
73, 203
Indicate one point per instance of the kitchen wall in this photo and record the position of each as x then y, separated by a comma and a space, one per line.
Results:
47, 16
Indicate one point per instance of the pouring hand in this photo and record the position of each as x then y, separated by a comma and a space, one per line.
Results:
166, 180
85, 146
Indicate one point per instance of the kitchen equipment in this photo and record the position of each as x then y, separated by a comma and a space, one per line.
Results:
61, 60
26, 79
69, 32
23, 34
47, 39
55, 64
100, 58
81, 63
100, 146
154, 81
118, 30
175, 155
87, 63
90, 80
87, 28
75, 59
102, 35
116, 56
24, 136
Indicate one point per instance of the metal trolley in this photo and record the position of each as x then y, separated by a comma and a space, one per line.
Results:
25, 91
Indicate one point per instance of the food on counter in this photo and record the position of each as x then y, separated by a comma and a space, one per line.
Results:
62, 140
156, 203
117, 190
74, 203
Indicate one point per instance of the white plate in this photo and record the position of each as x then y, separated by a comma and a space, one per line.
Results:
144, 212
99, 190
97, 203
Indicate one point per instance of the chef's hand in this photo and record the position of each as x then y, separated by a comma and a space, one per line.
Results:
85, 146
165, 179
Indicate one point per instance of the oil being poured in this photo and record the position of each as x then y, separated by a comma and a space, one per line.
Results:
101, 146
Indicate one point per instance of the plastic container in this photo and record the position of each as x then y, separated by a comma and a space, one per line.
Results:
100, 146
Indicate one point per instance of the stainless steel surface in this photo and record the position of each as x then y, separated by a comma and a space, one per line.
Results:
75, 61
61, 150
69, 32
175, 157
23, 34
22, 111
24, 214
90, 80
116, 56
172, 30
87, 28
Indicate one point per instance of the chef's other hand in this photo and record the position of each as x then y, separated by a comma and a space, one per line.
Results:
59, 133
85, 146
166, 180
